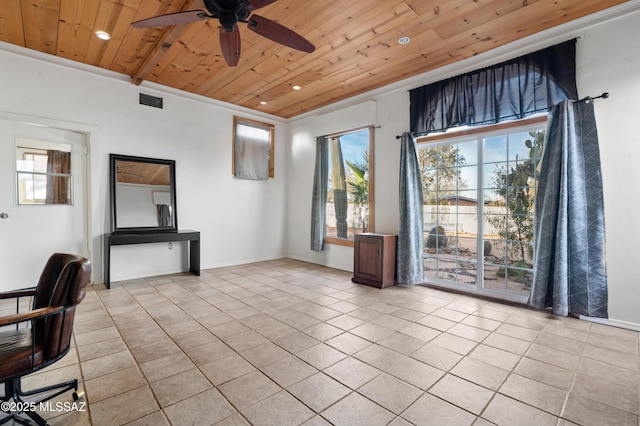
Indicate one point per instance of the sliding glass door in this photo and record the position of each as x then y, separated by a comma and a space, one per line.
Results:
479, 213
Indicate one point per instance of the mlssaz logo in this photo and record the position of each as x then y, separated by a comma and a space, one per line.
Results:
64, 406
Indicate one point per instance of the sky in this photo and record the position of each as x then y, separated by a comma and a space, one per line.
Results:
354, 144
497, 149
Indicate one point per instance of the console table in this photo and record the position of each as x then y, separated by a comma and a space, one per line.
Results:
118, 239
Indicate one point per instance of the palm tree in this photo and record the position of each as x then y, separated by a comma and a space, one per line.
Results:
359, 188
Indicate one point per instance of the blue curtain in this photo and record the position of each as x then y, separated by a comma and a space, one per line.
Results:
569, 270
410, 269
509, 90
319, 195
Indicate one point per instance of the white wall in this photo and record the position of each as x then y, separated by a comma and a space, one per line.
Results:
610, 62
240, 221
608, 59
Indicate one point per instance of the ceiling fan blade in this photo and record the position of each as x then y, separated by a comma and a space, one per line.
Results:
230, 44
279, 33
257, 4
171, 19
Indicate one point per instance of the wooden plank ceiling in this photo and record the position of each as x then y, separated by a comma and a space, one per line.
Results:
356, 41
142, 173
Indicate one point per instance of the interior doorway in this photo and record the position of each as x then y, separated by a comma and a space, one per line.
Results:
32, 227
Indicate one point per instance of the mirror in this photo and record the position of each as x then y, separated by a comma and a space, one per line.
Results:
143, 194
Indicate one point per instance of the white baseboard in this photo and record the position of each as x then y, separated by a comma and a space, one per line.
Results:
613, 323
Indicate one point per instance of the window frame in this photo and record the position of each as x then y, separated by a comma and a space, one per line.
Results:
33, 174
26, 147
457, 135
347, 242
258, 125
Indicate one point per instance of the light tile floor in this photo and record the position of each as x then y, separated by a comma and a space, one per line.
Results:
287, 343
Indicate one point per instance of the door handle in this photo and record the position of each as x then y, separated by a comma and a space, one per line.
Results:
4, 215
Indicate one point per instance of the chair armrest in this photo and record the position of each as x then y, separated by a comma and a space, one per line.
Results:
31, 315
25, 292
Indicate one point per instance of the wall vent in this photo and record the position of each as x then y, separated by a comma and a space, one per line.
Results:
152, 101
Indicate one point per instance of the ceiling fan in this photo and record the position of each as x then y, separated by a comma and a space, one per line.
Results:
229, 13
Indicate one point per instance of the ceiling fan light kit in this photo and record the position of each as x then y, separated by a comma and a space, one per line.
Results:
229, 13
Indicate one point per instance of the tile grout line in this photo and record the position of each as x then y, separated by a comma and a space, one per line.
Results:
304, 295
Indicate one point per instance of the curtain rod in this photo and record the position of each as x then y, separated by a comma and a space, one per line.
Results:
411, 133
605, 95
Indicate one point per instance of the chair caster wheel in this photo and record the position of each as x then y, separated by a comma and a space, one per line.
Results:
77, 395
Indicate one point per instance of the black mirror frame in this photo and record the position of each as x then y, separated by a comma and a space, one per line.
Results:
113, 158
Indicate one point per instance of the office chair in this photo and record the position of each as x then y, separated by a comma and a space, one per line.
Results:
33, 340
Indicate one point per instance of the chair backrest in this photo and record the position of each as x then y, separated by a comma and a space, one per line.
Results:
62, 283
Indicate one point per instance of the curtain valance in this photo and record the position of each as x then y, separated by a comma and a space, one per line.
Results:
510, 90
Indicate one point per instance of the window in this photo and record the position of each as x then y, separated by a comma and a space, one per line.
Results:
349, 208
43, 173
479, 191
252, 149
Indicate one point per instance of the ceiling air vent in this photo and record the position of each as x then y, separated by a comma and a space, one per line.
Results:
152, 101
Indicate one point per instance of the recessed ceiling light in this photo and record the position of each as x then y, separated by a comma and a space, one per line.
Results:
103, 35
404, 40
263, 102
296, 87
